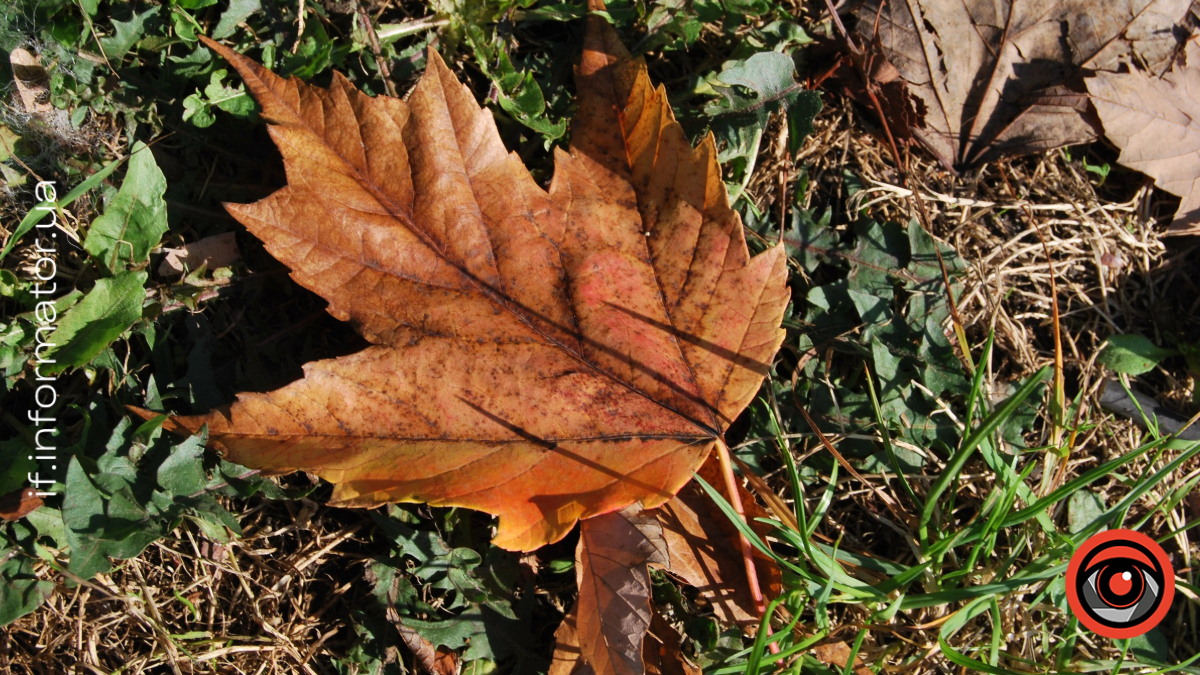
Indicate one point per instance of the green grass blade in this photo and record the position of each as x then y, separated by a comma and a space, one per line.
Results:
955, 466
887, 440
37, 213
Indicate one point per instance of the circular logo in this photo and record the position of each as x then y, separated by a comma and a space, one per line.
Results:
1120, 583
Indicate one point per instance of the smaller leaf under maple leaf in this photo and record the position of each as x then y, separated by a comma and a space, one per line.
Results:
661, 653
690, 538
604, 632
544, 357
704, 549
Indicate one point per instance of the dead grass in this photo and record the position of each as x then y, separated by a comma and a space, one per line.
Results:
276, 600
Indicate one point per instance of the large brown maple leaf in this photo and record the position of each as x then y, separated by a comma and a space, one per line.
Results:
542, 356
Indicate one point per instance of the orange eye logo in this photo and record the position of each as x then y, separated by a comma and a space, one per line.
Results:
1120, 583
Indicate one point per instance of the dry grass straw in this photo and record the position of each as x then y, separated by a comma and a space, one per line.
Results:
1115, 271
276, 600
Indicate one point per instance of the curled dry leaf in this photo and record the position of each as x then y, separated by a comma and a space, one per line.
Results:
1156, 124
705, 552
1004, 77
542, 356
865, 75
431, 660
220, 250
31, 81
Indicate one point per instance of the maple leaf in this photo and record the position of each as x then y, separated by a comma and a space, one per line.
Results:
541, 356
1154, 121
1004, 77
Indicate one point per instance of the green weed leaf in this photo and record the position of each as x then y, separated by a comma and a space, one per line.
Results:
196, 111
234, 101
99, 525
20, 590
1132, 354
751, 90
9, 140
107, 311
765, 78
1084, 508
525, 103
182, 473
15, 457
194, 4
125, 35
762, 84
239, 11
135, 219
470, 629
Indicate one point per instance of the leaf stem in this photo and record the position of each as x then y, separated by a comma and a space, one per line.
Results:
385, 71
735, 500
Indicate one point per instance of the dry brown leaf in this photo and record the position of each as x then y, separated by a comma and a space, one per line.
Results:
568, 658
705, 551
445, 661
603, 633
865, 71
431, 660
1156, 124
544, 357
216, 251
661, 650
661, 654
31, 81
19, 503
1004, 77
836, 654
